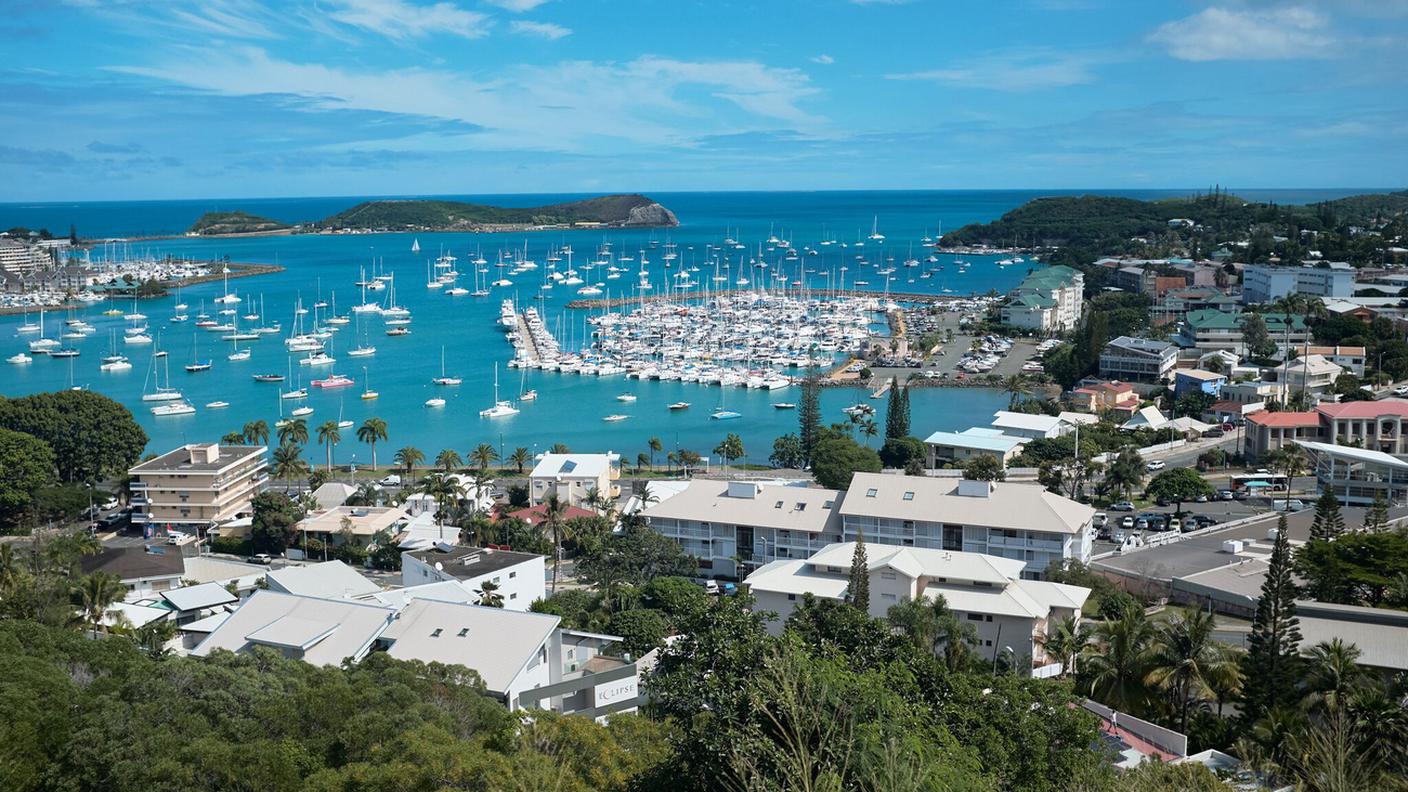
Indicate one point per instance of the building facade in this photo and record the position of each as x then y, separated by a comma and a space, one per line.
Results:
521, 578
574, 477
1059, 303
1137, 359
1263, 283
197, 486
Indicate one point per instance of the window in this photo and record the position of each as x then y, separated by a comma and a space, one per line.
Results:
570, 652
801, 506
512, 575
886, 596
777, 505
988, 618
888, 575
870, 493
513, 596
791, 597
828, 504
437, 632
496, 580
463, 632
909, 496
975, 617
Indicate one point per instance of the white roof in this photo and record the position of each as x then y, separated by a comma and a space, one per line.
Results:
771, 506
1011, 505
572, 465
332, 494
1003, 419
1149, 417
495, 642
133, 615
204, 569
440, 591
1186, 424
327, 579
326, 631
982, 439
797, 577
204, 595
1313, 364
1074, 418
1365, 455
922, 561
1019, 598
206, 625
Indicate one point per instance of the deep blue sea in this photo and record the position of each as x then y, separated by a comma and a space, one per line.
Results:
570, 408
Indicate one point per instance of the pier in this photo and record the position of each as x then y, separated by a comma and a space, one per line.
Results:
599, 303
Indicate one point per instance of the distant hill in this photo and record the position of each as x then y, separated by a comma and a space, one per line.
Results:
1095, 220
216, 223
432, 215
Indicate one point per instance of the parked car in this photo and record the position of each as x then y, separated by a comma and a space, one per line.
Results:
114, 520
1202, 520
1174, 524
392, 480
1122, 506
1241, 494
1141, 524
176, 537
1292, 505
1163, 502
1226, 495
711, 587
1157, 464
1127, 523
1201, 499
1401, 390
1216, 431
1099, 519
110, 504
1119, 535
729, 589
260, 558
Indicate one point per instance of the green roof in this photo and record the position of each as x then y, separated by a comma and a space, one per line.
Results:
1050, 278
1213, 319
1035, 301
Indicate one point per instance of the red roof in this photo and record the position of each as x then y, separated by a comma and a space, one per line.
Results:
1112, 387
1285, 420
533, 515
1366, 409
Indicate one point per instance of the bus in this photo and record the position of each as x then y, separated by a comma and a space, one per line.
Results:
1263, 480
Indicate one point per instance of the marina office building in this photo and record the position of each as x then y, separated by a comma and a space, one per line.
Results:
197, 486
735, 527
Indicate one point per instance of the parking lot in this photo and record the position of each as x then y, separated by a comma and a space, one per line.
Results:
1219, 511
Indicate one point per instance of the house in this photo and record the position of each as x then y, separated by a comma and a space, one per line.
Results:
332, 579
1137, 359
1358, 475
1272, 431
959, 447
983, 591
356, 525
521, 577
1102, 397
1312, 374
1027, 426
1059, 298
537, 515
1250, 392
150, 569
573, 477
332, 495
319, 631
1225, 411
1023, 522
1146, 418
732, 527
1378, 425
1137, 279
1349, 358
190, 603
1187, 381
197, 486
1264, 283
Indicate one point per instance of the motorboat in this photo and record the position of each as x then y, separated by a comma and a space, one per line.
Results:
680, 406
615, 418
784, 406
176, 408
626, 397
435, 402
241, 355
268, 378
334, 381
19, 359
302, 411
217, 405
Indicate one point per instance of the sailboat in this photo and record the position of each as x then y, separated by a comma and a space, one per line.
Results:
368, 394
443, 379
341, 424
723, 414
196, 363
160, 392
525, 395
501, 409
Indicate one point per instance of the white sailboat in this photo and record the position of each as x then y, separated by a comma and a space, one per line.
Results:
501, 409
444, 379
368, 394
159, 392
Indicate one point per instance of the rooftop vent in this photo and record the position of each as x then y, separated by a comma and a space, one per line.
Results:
974, 489
742, 489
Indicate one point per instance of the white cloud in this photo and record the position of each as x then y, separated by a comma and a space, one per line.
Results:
518, 6
1229, 34
545, 30
824, 59
1029, 71
400, 19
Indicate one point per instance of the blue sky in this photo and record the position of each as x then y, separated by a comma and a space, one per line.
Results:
134, 99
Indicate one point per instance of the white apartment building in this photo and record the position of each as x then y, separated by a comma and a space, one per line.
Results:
1022, 522
521, 577
197, 486
1262, 283
984, 591
718, 521
1026, 426
573, 477
1050, 299
22, 258
1137, 359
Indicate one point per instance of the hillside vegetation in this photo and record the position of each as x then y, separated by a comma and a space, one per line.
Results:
213, 223
612, 210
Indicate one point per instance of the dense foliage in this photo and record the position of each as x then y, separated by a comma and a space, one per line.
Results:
26, 466
92, 436
413, 214
212, 223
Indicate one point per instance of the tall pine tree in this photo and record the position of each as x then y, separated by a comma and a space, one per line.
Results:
1328, 523
1376, 518
1273, 649
858, 587
897, 411
809, 414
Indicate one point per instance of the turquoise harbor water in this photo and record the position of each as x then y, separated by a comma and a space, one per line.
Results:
569, 408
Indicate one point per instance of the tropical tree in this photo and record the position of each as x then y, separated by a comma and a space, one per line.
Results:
447, 460
1291, 461
372, 431
1376, 516
288, 464
559, 448
655, 447
554, 522
1125, 474
442, 489
95, 593
984, 467
1187, 664
642, 460
1328, 522
729, 448
1271, 662
809, 414
232, 438
858, 582
869, 429
1065, 641
256, 432
520, 458
294, 431
1333, 674
932, 627
1117, 661
1018, 387
489, 595
329, 435
483, 455
1179, 485
408, 457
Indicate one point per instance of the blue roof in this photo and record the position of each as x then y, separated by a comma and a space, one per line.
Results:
979, 438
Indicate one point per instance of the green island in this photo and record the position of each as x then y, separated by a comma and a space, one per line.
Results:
224, 223
433, 215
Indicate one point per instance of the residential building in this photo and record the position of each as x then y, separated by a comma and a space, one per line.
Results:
1102, 397
1358, 475
1378, 425
191, 603
1311, 373
1250, 392
1027, 426
959, 447
535, 516
1137, 279
197, 486
716, 521
1210, 330
330, 579
573, 477
1272, 431
323, 632
1023, 522
1187, 381
143, 570
350, 524
1137, 359
22, 258
984, 591
1063, 290
1349, 358
521, 577
1263, 283
1146, 418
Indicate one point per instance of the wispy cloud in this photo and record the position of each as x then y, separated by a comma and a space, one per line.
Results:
1251, 34
1011, 71
517, 6
545, 30
401, 19
823, 59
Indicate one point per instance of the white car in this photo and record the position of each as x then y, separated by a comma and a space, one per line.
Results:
1157, 464
175, 537
110, 504
392, 480
1401, 390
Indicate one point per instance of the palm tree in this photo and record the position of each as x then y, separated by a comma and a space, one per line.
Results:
489, 595
559, 448
1065, 641
670, 460
95, 594
294, 431
520, 458
655, 447
288, 464
1188, 664
1017, 386
1117, 661
448, 459
329, 435
1333, 674
869, 429
1291, 461
442, 488
483, 455
643, 459
553, 522
1125, 474
408, 458
232, 439
256, 432
372, 430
